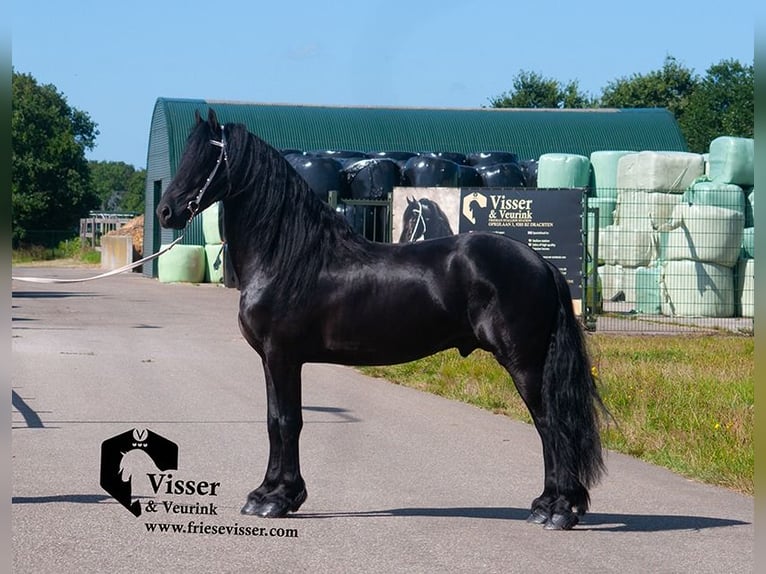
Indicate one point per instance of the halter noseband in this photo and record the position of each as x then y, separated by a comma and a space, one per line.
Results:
193, 205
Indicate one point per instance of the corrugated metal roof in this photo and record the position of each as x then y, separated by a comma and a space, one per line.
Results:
528, 133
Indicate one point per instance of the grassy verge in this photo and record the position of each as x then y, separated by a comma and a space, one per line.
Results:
683, 402
70, 250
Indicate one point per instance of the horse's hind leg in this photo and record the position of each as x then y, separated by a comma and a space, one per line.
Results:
563, 497
283, 489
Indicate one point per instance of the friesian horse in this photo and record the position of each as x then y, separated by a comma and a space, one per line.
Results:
423, 218
313, 290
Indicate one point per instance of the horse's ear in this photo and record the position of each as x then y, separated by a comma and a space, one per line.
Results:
197, 118
410, 200
212, 119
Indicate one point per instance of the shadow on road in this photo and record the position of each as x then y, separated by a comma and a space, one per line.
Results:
596, 521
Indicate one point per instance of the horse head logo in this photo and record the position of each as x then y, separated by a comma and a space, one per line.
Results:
123, 454
468, 203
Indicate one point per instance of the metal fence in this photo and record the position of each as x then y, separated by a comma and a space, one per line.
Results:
672, 261
655, 262
99, 224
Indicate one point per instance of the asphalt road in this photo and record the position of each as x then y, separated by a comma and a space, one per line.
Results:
398, 480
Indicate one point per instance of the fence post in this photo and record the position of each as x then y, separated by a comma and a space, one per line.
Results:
590, 275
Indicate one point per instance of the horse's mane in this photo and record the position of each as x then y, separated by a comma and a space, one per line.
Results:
288, 231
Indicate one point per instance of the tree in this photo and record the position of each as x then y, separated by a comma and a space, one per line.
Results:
532, 90
50, 176
119, 186
670, 88
721, 104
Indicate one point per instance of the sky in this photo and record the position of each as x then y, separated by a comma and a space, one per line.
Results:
114, 59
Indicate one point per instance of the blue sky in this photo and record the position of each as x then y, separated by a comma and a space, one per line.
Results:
114, 59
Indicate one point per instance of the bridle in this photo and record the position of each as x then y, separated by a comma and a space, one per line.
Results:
420, 219
223, 157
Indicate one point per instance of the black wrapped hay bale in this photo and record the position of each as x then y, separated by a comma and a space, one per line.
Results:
371, 178
323, 174
502, 175
400, 157
482, 158
428, 171
529, 168
345, 157
458, 158
469, 176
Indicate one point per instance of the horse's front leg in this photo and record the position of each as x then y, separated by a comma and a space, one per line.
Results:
283, 489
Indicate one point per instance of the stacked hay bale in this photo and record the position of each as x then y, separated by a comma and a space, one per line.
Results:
182, 264
196, 263
214, 253
649, 185
681, 235
731, 163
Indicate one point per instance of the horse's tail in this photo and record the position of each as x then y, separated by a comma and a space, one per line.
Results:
571, 399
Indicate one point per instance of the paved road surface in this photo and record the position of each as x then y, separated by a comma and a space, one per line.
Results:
398, 480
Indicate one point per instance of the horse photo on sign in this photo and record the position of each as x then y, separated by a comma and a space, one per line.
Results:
313, 290
422, 216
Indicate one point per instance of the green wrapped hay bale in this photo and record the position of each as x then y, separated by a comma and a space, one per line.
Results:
211, 230
608, 240
748, 243
716, 193
659, 171
214, 263
595, 226
644, 210
606, 207
182, 264
603, 175
562, 170
703, 233
745, 290
635, 247
697, 289
750, 210
731, 160
648, 294
611, 280
629, 284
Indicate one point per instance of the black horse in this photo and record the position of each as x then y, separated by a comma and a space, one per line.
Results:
312, 290
423, 218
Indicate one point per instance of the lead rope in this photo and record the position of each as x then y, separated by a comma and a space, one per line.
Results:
192, 206
107, 274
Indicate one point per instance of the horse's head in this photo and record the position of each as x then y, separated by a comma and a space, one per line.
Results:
414, 220
423, 218
201, 178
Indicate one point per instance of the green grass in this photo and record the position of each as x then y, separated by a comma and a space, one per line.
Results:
70, 250
682, 402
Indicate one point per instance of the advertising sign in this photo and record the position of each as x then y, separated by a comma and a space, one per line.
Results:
549, 220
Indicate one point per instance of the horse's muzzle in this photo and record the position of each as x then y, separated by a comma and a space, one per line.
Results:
168, 219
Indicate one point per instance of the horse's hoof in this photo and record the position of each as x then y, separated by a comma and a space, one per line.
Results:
299, 500
538, 517
562, 522
275, 508
265, 509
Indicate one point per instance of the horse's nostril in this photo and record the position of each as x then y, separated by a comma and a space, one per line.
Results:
165, 213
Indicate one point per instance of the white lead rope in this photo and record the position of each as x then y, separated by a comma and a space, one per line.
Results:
122, 269
193, 207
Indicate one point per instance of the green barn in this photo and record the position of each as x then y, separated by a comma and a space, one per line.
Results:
526, 132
